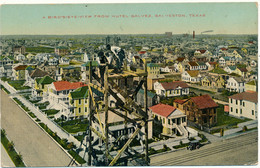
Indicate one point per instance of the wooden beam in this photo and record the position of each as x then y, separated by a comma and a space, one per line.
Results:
106, 110
123, 116
97, 87
126, 144
137, 89
90, 117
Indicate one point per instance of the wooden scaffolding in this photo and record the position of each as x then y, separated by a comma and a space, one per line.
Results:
125, 104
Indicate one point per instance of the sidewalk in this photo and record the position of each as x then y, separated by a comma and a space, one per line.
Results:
5, 159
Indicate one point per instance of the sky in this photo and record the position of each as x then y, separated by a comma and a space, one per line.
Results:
222, 18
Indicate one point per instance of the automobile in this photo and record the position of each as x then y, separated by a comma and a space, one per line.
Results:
195, 144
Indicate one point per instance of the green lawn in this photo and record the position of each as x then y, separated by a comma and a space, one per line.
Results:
78, 158
21, 104
39, 49
12, 153
18, 84
3, 88
51, 111
224, 119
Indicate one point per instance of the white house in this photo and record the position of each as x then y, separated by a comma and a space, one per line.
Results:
53, 61
64, 61
171, 89
168, 69
191, 76
244, 105
235, 84
222, 62
20, 57
230, 69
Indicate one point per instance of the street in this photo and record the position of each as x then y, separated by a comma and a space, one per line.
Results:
241, 150
36, 147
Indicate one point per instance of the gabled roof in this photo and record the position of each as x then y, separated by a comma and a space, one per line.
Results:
248, 95
29, 68
80, 93
142, 52
243, 69
193, 63
204, 101
174, 85
193, 73
180, 59
38, 73
179, 101
202, 51
20, 67
65, 85
162, 109
232, 68
46, 80
213, 63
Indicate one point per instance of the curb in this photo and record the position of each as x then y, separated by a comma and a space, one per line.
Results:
45, 131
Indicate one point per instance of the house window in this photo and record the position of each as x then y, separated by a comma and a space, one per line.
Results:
236, 102
240, 111
231, 100
79, 101
86, 109
79, 110
252, 112
164, 120
231, 109
240, 102
236, 110
244, 104
168, 121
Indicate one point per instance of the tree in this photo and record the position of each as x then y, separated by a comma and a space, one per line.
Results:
10, 146
18, 158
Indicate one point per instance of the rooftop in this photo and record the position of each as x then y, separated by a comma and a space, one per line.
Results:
248, 95
65, 85
174, 85
204, 101
162, 109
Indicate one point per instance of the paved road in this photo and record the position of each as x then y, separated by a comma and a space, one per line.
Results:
36, 147
239, 150
5, 159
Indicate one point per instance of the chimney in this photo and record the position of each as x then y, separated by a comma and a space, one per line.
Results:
193, 34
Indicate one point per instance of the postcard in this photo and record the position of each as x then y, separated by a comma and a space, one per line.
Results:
129, 84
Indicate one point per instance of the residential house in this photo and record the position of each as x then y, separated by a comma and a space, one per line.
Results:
41, 86
151, 98
171, 89
6, 61
59, 91
6, 71
174, 122
235, 84
78, 102
191, 76
201, 110
244, 104
32, 75
168, 69
20, 57
211, 65
179, 104
202, 65
19, 72
251, 86
193, 66
153, 69
230, 69
64, 61
182, 66
241, 72
53, 61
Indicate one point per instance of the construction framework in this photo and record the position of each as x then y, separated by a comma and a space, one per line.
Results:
125, 105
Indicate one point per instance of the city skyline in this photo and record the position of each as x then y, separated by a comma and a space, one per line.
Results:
178, 18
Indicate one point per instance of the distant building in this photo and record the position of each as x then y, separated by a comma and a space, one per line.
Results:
19, 49
235, 84
151, 98
61, 50
244, 105
168, 34
191, 76
251, 86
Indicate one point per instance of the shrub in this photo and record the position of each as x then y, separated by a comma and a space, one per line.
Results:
245, 128
10, 146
